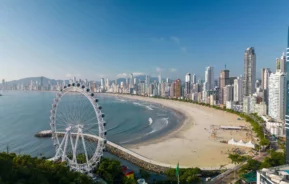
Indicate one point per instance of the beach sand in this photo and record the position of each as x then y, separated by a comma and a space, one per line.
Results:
191, 144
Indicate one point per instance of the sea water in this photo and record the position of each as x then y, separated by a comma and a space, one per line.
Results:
24, 113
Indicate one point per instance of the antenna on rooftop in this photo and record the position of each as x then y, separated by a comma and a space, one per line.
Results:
225, 67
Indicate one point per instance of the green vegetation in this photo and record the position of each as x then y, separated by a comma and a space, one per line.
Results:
275, 159
17, 169
186, 175
237, 159
110, 171
23, 169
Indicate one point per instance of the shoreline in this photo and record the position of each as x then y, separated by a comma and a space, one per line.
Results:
167, 134
191, 143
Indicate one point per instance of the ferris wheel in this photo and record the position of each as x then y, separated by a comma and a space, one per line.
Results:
77, 127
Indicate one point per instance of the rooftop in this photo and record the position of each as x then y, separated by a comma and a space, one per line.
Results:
278, 174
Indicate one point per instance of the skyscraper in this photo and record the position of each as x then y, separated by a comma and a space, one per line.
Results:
224, 80
277, 96
173, 89
178, 92
3, 84
249, 72
238, 89
194, 79
228, 93
265, 73
287, 100
209, 77
281, 63
131, 81
160, 79
188, 84
102, 83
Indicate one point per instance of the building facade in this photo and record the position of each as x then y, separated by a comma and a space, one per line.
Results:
238, 96
228, 93
249, 72
287, 100
223, 81
209, 77
178, 91
277, 96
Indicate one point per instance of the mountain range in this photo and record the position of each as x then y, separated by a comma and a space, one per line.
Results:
26, 81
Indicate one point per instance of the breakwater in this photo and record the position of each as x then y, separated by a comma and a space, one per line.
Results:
121, 152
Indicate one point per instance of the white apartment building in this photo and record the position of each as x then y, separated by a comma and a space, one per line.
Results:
276, 97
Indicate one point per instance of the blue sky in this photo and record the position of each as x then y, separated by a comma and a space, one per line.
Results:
103, 38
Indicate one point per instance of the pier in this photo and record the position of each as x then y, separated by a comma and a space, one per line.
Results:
124, 153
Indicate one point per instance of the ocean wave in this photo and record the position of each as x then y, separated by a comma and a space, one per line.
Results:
143, 105
149, 108
150, 121
158, 125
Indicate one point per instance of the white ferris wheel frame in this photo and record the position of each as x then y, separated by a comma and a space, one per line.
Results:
60, 147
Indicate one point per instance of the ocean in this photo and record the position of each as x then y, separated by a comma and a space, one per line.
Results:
24, 113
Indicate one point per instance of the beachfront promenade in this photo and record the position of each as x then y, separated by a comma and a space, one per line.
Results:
124, 153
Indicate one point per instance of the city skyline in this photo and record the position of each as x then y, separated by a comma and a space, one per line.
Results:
114, 39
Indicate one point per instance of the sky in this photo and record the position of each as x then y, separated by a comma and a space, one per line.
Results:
60, 39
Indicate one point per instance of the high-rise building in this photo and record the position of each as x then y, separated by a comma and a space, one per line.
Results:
160, 78
257, 84
194, 79
238, 97
224, 80
209, 77
287, 100
178, 92
188, 84
131, 81
281, 63
249, 72
167, 80
173, 89
277, 96
265, 73
102, 84
107, 83
228, 93
3, 84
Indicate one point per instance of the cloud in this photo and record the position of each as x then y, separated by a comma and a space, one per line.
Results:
124, 75
138, 73
173, 70
68, 75
158, 69
121, 75
184, 49
175, 39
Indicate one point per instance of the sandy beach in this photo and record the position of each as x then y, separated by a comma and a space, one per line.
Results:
192, 144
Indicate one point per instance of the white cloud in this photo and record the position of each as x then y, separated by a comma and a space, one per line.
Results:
69, 75
121, 75
138, 73
175, 39
124, 75
173, 70
158, 69
184, 49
